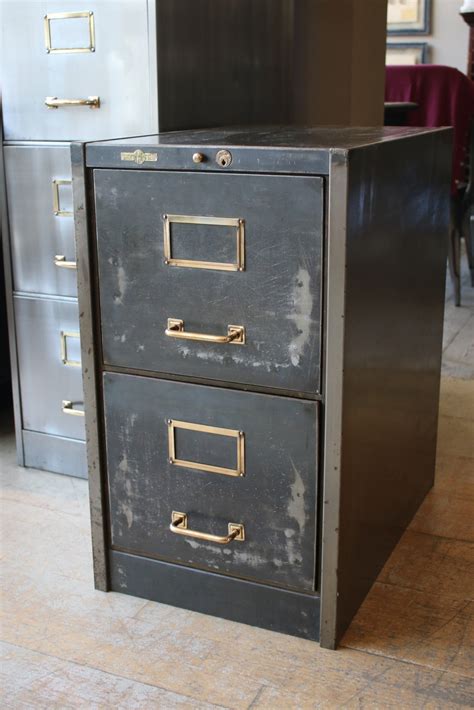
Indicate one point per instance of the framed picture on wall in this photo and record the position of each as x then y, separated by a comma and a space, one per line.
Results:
408, 17
406, 53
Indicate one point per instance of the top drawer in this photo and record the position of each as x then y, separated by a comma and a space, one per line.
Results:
188, 261
75, 50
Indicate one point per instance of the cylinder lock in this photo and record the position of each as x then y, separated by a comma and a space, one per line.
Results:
223, 158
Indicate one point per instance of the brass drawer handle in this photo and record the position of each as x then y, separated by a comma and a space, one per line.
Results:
54, 102
60, 260
179, 525
68, 408
235, 333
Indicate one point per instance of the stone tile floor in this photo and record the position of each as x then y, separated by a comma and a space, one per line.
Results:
65, 645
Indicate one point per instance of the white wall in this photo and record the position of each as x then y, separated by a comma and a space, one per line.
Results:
449, 41
449, 36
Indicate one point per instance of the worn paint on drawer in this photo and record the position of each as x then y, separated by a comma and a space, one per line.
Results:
275, 297
275, 500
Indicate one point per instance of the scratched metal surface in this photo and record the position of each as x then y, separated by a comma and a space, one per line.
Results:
276, 149
266, 137
275, 500
277, 298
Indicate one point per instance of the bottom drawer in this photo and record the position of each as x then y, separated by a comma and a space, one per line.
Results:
49, 366
215, 458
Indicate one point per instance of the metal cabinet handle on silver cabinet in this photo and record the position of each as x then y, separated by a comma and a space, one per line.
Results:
54, 102
68, 408
60, 261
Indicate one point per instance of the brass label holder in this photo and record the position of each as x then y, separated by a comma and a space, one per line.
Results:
239, 437
51, 16
63, 336
56, 199
237, 223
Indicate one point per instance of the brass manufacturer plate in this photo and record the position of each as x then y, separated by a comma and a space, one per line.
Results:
139, 157
64, 335
239, 224
90, 47
239, 436
56, 199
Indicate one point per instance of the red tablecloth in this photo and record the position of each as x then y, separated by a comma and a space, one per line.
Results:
445, 97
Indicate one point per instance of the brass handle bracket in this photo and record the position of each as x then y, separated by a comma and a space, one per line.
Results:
60, 261
179, 526
235, 333
68, 408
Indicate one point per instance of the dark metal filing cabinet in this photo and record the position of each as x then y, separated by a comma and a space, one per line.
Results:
261, 321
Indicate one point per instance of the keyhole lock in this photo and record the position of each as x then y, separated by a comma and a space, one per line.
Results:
223, 158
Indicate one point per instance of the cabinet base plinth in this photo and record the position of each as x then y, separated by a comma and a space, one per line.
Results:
55, 453
229, 598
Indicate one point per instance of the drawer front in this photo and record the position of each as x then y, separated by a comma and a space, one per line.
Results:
49, 366
219, 457
251, 259
41, 219
104, 54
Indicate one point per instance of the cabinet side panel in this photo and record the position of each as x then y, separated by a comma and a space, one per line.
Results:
89, 352
6, 264
397, 235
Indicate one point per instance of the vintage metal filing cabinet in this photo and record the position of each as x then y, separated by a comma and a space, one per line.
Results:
261, 327
100, 69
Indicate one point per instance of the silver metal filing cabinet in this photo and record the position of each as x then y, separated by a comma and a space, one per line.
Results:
261, 327
99, 69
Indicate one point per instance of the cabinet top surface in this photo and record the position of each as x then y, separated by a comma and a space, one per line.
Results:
280, 148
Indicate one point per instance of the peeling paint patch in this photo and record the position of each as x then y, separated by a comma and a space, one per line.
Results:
122, 284
296, 504
209, 355
128, 512
252, 559
123, 465
302, 303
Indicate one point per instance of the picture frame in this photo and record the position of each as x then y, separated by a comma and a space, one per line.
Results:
408, 17
406, 53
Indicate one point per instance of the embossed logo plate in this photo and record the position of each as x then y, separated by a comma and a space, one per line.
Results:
139, 157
